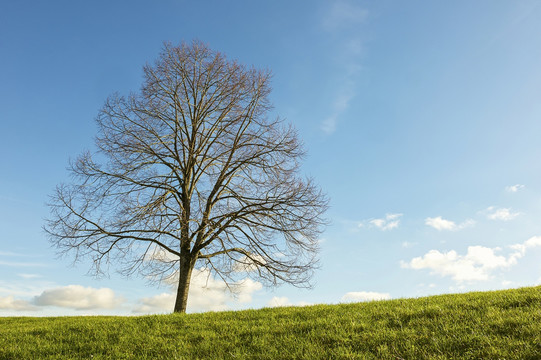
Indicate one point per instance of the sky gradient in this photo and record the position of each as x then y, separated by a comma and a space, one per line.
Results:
421, 119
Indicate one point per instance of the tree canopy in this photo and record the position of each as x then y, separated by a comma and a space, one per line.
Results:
192, 170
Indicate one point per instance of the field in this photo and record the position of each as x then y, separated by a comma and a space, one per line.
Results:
483, 325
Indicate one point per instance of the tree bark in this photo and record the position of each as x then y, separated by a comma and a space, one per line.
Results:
184, 278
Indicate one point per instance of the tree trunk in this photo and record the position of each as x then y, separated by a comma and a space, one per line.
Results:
185, 275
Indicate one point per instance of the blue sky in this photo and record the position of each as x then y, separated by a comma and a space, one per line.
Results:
421, 120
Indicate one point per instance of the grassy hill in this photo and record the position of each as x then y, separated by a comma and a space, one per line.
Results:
483, 325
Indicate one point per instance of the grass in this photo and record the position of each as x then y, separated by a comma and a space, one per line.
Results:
482, 325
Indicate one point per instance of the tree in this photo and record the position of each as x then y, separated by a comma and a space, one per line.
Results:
189, 171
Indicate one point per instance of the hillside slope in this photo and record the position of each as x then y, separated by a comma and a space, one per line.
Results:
483, 325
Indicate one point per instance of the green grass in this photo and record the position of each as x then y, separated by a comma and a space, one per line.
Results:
483, 325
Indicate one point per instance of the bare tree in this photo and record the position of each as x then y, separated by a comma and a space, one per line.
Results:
189, 171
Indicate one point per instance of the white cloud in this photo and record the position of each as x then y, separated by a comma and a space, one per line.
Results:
79, 298
206, 294
380, 223
278, 301
514, 188
534, 241
246, 264
364, 296
504, 214
163, 302
10, 303
440, 224
389, 222
476, 265
209, 293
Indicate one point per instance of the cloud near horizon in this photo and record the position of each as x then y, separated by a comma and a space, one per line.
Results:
279, 301
79, 298
478, 264
360, 296
10, 303
206, 294
75, 297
